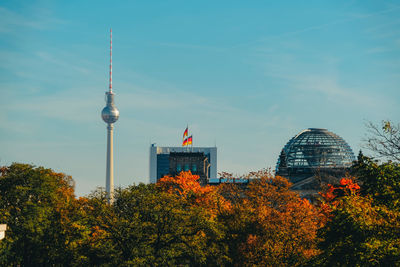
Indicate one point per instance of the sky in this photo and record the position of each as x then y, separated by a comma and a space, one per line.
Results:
245, 76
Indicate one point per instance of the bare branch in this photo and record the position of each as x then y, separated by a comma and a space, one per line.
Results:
384, 140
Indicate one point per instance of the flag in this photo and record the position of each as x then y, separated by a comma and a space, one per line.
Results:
189, 140
185, 133
185, 142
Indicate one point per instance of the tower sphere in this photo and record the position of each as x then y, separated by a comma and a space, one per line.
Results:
110, 113
312, 150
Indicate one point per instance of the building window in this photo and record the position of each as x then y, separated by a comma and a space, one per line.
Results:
194, 168
178, 167
186, 167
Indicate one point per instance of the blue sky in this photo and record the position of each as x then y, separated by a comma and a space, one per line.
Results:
246, 75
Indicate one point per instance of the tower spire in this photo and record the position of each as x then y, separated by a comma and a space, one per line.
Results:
110, 84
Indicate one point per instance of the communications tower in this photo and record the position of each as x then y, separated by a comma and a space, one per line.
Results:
110, 115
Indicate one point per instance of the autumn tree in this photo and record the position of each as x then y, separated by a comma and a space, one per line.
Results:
98, 248
152, 227
364, 224
38, 206
364, 221
381, 181
187, 186
268, 224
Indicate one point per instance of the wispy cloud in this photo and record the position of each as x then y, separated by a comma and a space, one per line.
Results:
63, 60
193, 46
301, 77
38, 19
348, 18
373, 14
382, 26
9, 20
331, 88
377, 50
62, 106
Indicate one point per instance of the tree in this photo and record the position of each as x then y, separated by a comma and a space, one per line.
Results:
364, 223
153, 227
97, 249
187, 186
380, 181
384, 140
268, 224
38, 205
360, 233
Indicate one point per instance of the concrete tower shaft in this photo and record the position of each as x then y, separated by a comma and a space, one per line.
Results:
110, 164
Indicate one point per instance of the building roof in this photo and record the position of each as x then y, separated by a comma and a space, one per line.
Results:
313, 149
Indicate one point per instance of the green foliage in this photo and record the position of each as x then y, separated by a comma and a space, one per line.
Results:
380, 181
364, 229
35, 203
152, 227
361, 234
96, 249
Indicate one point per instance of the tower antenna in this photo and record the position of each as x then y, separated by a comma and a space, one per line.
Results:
110, 85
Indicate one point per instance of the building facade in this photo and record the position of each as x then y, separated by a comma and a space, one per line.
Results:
201, 161
196, 162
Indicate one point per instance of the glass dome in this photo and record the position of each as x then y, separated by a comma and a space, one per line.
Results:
313, 149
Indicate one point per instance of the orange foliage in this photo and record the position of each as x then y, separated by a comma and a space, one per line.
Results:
349, 184
186, 185
271, 224
282, 225
346, 187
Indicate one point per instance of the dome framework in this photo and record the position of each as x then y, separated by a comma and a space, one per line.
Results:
313, 150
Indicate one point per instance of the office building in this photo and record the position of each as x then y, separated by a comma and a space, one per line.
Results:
201, 161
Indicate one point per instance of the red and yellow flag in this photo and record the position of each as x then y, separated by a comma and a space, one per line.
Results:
185, 142
189, 140
185, 133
